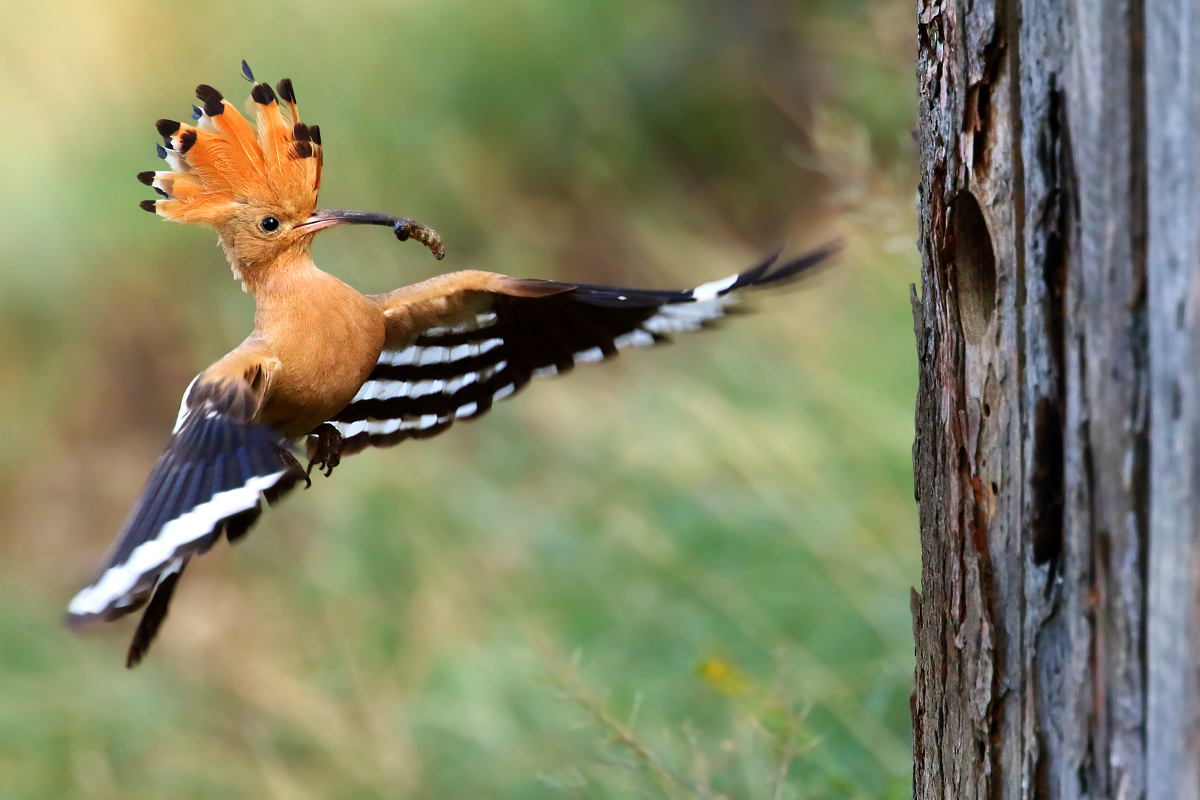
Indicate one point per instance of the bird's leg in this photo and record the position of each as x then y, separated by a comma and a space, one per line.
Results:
294, 465
411, 229
324, 448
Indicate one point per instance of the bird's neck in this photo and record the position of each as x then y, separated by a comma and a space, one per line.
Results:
284, 276
326, 336
291, 286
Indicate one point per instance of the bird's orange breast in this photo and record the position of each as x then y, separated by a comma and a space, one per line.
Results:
327, 339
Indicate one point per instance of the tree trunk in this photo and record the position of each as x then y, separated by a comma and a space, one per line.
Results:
1058, 414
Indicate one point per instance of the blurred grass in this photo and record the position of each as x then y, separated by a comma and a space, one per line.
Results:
720, 534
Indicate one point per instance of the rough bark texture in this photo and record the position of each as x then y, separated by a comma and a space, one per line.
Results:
1173, 635
1058, 414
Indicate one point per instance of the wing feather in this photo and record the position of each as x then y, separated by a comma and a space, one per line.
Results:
210, 480
459, 343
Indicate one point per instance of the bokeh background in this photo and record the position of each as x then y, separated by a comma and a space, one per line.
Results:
683, 574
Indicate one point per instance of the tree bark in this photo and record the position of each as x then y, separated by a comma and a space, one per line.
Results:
1058, 411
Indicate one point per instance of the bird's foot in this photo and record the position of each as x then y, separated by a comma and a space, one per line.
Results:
411, 229
294, 466
324, 449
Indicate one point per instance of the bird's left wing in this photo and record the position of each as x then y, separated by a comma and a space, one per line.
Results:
458, 343
210, 480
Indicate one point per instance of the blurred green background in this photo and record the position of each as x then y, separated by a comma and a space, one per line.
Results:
682, 574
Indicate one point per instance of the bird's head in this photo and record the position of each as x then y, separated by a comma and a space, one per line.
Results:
256, 185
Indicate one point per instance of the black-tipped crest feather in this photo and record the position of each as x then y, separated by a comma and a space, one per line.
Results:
263, 94
213, 100
284, 87
166, 127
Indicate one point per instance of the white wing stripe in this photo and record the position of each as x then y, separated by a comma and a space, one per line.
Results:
350, 429
392, 390
432, 355
454, 384
682, 318
635, 338
382, 427
399, 358
463, 351
422, 388
711, 290
481, 321
118, 580
590, 356
708, 303
183, 406
421, 356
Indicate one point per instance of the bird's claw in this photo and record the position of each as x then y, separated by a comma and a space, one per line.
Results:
294, 466
324, 449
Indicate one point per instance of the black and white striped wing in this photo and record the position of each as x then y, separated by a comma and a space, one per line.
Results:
451, 373
210, 480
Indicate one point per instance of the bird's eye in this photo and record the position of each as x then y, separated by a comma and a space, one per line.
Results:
269, 224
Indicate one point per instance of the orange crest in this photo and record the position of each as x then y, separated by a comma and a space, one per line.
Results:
222, 163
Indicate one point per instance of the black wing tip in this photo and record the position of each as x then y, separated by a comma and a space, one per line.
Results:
238, 525
282, 488
255, 447
152, 619
754, 275
792, 270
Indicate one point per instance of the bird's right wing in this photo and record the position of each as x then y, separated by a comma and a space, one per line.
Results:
211, 479
458, 343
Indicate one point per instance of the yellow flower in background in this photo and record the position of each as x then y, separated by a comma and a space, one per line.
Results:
724, 677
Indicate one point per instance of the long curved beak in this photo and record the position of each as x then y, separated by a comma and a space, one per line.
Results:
319, 220
404, 229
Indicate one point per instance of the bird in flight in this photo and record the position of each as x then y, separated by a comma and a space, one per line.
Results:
337, 369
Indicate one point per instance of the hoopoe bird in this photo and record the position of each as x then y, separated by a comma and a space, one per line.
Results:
329, 366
